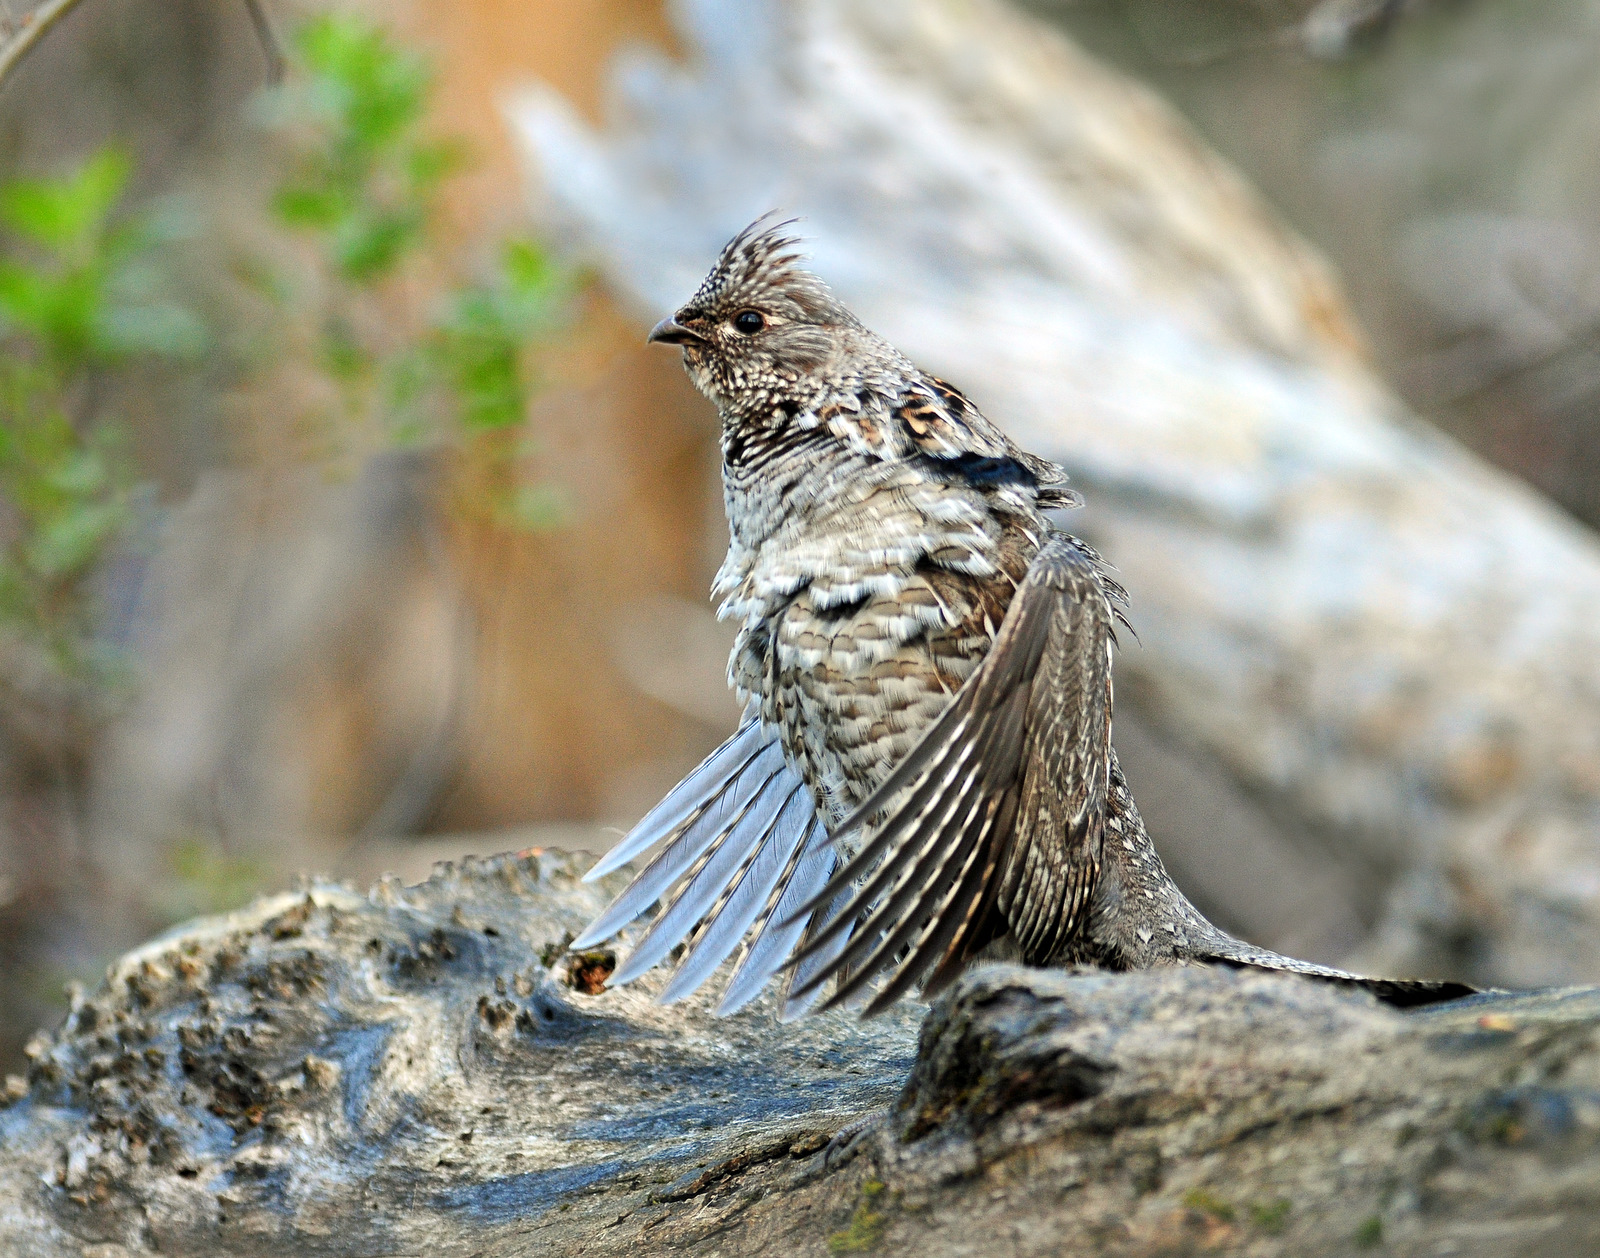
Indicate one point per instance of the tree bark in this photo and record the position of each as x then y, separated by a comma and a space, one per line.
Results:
421, 1071
1392, 648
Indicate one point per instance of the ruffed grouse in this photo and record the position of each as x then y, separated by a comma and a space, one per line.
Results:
924, 770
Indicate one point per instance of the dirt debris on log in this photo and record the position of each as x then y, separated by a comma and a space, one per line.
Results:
421, 1070
417, 1068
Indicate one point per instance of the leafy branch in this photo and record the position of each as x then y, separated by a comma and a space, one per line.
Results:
363, 189
78, 294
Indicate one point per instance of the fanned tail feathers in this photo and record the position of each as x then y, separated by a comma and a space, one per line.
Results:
741, 851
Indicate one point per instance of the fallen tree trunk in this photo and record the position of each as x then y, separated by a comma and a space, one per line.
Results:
1391, 646
425, 1070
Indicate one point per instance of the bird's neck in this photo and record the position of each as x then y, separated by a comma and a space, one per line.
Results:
774, 469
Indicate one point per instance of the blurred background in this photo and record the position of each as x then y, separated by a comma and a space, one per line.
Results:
347, 524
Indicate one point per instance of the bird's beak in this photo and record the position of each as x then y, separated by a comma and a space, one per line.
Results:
670, 332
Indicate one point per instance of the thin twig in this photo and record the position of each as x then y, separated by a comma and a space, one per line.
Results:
271, 45
38, 23
34, 28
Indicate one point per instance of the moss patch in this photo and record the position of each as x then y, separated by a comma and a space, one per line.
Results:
1207, 1202
1271, 1216
866, 1226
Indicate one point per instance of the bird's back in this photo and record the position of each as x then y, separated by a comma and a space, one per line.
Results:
867, 606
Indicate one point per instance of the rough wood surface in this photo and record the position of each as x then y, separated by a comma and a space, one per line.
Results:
1392, 646
413, 1072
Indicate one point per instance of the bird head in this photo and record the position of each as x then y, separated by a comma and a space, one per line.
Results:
759, 322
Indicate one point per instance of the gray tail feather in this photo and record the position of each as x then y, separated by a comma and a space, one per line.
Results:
706, 878
742, 851
706, 822
800, 993
773, 937
744, 896
704, 783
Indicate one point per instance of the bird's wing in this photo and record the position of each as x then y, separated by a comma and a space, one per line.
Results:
741, 849
940, 421
998, 809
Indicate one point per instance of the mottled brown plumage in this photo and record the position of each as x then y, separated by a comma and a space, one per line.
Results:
925, 771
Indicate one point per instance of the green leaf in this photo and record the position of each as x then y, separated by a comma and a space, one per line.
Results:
60, 309
428, 164
375, 89
528, 269
65, 214
94, 298
303, 205
481, 357
25, 296
69, 542
368, 246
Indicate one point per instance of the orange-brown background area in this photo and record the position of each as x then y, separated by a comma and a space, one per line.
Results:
555, 724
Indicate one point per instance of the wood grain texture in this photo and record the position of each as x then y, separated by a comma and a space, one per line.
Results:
420, 1070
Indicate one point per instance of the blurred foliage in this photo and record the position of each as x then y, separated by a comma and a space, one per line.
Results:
368, 178
352, 316
203, 878
79, 294
363, 188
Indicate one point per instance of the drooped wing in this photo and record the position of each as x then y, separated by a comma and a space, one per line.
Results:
741, 849
994, 817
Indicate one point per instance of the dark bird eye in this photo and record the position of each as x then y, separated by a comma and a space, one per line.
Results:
749, 322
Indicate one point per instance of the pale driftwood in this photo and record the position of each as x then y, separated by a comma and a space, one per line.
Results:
1393, 647
412, 1072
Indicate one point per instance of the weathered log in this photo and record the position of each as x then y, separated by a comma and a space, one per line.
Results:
408, 1071
1391, 646
423, 1070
